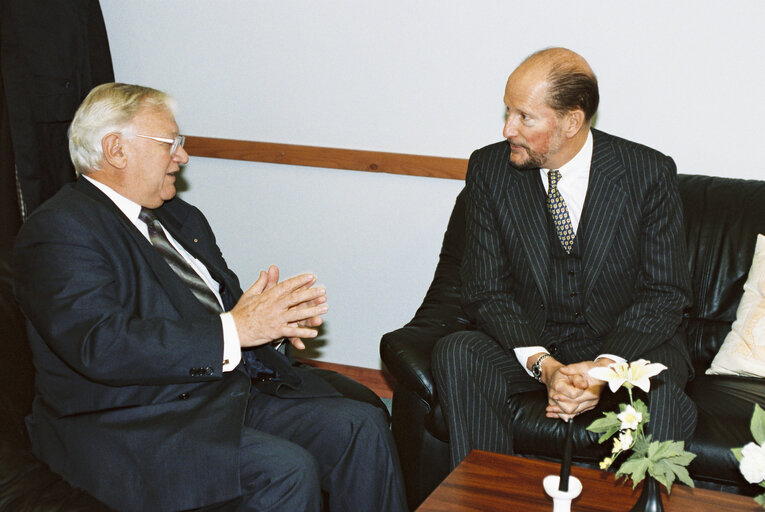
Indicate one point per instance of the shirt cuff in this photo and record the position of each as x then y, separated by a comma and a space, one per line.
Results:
616, 359
232, 352
524, 353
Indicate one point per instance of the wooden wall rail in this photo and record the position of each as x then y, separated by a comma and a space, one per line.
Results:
331, 158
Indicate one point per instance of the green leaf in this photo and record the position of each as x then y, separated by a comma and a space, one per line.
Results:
640, 447
635, 468
757, 424
659, 449
667, 469
665, 478
674, 450
682, 459
737, 453
682, 474
760, 499
607, 426
604, 424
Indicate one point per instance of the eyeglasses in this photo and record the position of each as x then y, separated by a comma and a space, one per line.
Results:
175, 143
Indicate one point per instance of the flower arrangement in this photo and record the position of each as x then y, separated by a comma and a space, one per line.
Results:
751, 457
665, 461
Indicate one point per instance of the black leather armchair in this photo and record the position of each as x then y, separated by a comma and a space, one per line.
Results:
722, 219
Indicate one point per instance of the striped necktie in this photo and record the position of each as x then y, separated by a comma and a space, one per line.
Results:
178, 263
557, 208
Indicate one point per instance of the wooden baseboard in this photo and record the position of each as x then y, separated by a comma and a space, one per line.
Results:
379, 381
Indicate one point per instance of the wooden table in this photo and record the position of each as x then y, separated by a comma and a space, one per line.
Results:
488, 482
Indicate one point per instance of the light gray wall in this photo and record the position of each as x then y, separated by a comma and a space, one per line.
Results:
421, 77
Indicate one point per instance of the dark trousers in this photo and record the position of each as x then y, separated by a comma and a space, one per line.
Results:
476, 378
292, 448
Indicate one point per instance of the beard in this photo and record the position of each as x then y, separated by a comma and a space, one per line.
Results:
533, 160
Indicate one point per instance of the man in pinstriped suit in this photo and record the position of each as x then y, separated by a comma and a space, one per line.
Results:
547, 310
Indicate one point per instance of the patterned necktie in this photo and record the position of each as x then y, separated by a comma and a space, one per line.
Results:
178, 263
557, 208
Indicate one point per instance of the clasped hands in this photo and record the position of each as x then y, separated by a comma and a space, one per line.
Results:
570, 388
271, 310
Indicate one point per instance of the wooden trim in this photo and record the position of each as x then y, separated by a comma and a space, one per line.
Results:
379, 381
328, 158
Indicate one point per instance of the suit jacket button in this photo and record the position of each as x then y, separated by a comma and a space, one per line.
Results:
208, 371
183, 396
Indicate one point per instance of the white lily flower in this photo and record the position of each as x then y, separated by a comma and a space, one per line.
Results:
637, 373
630, 418
641, 372
615, 374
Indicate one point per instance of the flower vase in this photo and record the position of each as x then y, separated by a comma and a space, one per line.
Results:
650, 498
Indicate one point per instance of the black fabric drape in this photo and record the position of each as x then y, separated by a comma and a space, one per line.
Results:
10, 212
52, 53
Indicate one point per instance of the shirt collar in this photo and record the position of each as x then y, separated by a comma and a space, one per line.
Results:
126, 206
579, 166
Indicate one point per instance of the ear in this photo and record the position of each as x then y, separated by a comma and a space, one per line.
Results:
114, 151
574, 122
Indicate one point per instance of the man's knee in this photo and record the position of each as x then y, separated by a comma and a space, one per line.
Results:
359, 420
463, 352
452, 350
283, 479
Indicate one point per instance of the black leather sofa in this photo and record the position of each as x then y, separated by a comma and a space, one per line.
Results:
722, 219
26, 484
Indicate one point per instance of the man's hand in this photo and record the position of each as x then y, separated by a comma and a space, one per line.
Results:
272, 280
270, 310
578, 392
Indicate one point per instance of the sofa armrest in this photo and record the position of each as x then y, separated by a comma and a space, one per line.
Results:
406, 353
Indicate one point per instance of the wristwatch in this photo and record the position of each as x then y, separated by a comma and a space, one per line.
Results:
536, 368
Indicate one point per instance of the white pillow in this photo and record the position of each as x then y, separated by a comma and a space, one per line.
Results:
743, 351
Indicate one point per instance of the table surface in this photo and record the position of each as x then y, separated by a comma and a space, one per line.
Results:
488, 482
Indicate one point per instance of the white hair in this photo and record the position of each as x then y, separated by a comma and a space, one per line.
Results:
109, 108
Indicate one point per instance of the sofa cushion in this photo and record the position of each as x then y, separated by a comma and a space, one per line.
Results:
743, 352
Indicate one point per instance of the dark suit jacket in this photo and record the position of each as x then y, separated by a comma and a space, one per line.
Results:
131, 403
630, 235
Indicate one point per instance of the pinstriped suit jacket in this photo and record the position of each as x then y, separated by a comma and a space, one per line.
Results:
631, 240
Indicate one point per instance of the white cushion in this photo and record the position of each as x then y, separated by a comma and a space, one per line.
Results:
743, 351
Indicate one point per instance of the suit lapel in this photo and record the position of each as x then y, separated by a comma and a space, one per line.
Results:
178, 293
195, 243
603, 204
530, 219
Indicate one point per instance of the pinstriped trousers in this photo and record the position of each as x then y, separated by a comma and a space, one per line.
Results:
477, 378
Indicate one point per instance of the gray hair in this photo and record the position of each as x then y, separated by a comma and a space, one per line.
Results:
109, 108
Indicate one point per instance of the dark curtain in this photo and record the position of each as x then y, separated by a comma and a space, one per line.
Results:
52, 53
10, 211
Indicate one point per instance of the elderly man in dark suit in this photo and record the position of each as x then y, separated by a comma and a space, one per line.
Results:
574, 258
158, 387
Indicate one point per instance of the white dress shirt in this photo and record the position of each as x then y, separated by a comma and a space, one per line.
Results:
232, 352
574, 179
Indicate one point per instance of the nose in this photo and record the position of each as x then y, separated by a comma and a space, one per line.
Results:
180, 155
511, 127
